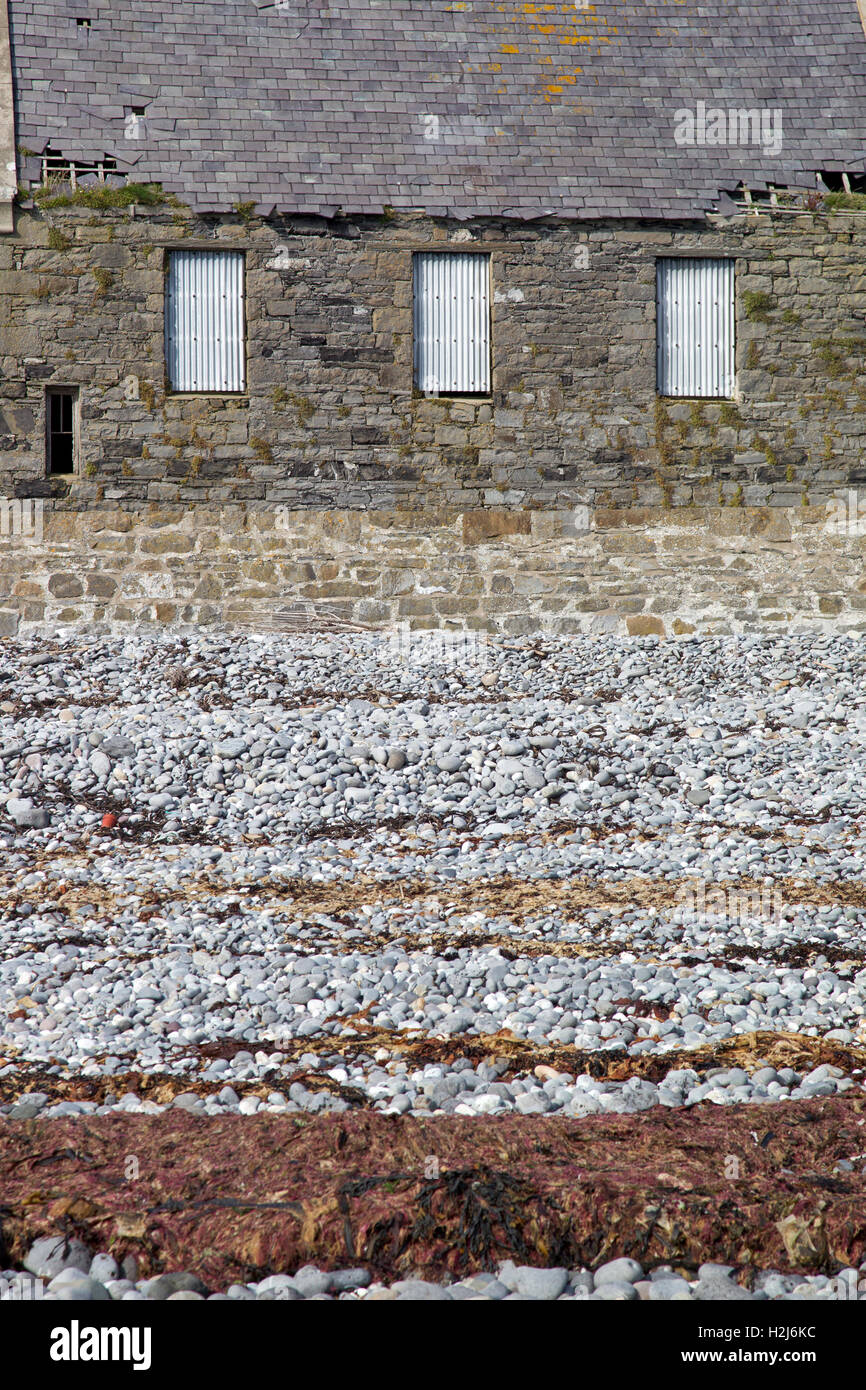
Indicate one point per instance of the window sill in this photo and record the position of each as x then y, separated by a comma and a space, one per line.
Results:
481, 396
707, 400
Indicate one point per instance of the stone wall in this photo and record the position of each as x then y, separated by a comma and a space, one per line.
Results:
332, 480
666, 571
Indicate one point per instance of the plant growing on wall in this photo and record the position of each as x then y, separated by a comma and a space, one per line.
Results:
757, 305
845, 202
101, 198
57, 241
104, 280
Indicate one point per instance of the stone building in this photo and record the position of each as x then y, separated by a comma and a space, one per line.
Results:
528, 316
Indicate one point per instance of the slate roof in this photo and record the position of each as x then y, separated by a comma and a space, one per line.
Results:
485, 107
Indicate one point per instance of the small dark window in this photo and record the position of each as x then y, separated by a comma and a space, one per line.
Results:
83, 23
61, 408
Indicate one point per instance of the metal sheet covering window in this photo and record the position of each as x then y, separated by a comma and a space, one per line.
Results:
452, 322
204, 321
695, 327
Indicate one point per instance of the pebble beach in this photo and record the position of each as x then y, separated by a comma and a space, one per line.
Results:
303, 874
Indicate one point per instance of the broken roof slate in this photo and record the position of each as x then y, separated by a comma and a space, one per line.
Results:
487, 107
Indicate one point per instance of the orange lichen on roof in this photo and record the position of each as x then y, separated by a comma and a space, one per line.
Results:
565, 27
552, 26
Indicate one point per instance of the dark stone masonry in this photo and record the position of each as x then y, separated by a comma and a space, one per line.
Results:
331, 420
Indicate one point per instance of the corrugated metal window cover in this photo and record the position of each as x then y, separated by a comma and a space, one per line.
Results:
452, 322
204, 321
695, 326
